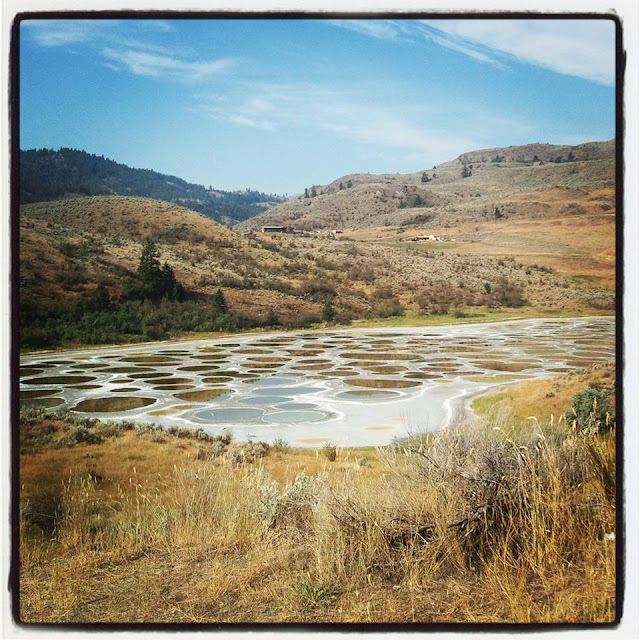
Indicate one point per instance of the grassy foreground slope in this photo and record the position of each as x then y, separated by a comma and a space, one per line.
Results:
488, 522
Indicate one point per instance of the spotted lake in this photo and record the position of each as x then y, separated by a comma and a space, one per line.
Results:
353, 387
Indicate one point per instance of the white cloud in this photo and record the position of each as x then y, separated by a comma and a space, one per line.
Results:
581, 48
462, 47
124, 49
381, 29
254, 123
58, 33
148, 64
346, 114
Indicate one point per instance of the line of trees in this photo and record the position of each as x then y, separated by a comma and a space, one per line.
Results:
152, 307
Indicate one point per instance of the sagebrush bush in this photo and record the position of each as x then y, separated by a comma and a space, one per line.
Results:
591, 410
80, 434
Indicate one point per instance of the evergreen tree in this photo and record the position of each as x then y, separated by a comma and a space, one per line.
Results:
220, 301
168, 282
149, 267
328, 312
349, 184
306, 192
272, 319
314, 193
100, 299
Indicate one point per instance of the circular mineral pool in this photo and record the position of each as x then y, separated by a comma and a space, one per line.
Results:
265, 400
297, 406
42, 403
59, 380
294, 417
229, 415
290, 391
272, 381
41, 393
373, 394
113, 404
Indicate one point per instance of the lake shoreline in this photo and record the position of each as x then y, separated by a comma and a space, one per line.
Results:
375, 323
340, 398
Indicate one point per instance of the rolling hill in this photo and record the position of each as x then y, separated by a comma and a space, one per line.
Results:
46, 175
67, 247
443, 195
544, 205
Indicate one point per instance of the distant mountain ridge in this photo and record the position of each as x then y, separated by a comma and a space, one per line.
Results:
46, 174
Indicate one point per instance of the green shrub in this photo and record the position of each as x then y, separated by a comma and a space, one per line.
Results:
591, 410
80, 434
314, 593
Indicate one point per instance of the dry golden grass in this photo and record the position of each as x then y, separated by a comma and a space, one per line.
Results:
545, 399
482, 523
577, 246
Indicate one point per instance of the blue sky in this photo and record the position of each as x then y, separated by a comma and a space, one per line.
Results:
278, 105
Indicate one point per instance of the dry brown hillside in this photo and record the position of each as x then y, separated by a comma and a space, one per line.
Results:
68, 247
517, 202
